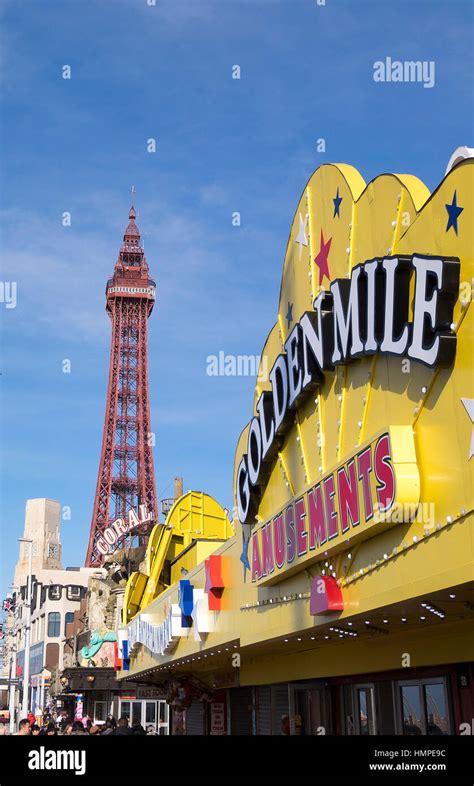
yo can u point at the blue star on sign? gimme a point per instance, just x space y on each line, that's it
289 314
453 214
337 204
244 557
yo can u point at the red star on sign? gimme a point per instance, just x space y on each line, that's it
321 260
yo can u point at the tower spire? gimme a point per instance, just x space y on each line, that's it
132 230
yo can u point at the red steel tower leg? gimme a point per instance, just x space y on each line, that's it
126 476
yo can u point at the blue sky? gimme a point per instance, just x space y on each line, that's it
223 145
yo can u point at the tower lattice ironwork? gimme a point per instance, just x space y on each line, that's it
126 476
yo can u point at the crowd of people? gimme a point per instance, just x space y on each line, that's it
64 726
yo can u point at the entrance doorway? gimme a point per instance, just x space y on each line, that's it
366 710
146 712
307 710
359 709
423 707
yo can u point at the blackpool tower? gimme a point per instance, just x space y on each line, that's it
126 479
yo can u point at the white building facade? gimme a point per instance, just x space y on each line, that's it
56 593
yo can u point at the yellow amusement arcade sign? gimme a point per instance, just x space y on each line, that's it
368 360
379 484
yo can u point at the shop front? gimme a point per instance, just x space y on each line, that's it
300 708
97 693
147 706
424 702
342 602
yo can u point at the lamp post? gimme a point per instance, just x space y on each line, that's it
26 667
42 701
12 686
13 633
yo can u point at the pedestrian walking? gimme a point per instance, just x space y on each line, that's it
24 728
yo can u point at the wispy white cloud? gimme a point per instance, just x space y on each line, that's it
214 194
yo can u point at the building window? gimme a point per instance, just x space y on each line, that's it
55 592
37 658
73 592
54 624
68 617
34 596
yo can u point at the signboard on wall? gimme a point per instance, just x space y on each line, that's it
146 692
110 539
380 484
367 362
217 718
367 315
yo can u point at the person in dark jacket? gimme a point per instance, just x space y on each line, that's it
78 729
137 728
122 728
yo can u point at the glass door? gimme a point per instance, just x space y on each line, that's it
147 713
150 715
100 712
348 709
132 710
412 714
300 722
136 716
436 707
365 704
317 715
124 710
424 707
164 717
307 716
